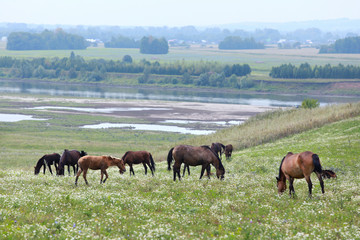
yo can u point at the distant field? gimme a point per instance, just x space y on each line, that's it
260 60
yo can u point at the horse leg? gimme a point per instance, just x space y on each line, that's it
102 175
208 169
309 184
291 187
132 170
77 176
202 171
321 182
50 169
176 169
84 176
184 169
106 176
74 170
68 170
145 168
151 168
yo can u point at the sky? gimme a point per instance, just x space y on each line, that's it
173 13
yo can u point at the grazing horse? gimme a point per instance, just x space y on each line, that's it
299 165
96 163
137 157
48 159
228 151
218 148
194 156
70 158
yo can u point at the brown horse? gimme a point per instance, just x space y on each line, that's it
228 151
69 158
47 159
218 148
299 165
96 163
194 156
137 157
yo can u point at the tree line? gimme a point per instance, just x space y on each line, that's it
75 67
234 42
306 71
344 45
47 40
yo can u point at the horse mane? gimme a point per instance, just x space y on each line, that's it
40 162
221 166
281 165
123 157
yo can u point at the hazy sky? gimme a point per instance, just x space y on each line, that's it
173 13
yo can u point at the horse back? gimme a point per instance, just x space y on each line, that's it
191 155
298 165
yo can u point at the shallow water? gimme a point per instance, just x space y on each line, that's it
150 127
191 95
5 117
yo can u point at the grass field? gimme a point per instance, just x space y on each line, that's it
243 206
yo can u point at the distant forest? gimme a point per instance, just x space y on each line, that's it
346 45
75 67
239 43
47 40
306 71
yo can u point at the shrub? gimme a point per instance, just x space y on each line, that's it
310 103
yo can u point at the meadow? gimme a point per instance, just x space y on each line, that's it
243 206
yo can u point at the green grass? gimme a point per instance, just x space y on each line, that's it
243 206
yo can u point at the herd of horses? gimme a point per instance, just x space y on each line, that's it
293 166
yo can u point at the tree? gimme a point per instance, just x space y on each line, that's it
127 59
310 103
151 45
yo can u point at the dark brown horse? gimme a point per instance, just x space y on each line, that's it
194 156
299 165
218 148
48 159
228 151
69 158
96 163
137 157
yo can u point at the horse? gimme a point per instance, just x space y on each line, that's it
137 157
228 151
96 163
218 148
47 159
299 165
194 156
328 174
70 158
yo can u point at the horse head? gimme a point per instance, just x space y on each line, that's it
120 164
220 172
281 185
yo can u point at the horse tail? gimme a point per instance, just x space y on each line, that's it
152 161
170 158
316 162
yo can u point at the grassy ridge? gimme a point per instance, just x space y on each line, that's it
243 206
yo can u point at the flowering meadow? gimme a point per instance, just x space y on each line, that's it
245 205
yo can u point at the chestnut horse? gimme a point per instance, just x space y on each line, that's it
69 158
218 148
300 165
137 157
96 163
228 151
47 159
194 156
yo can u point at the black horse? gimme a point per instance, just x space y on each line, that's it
48 159
70 158
218 148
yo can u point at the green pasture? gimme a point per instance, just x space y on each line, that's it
243 206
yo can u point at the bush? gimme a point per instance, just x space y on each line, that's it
310 103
